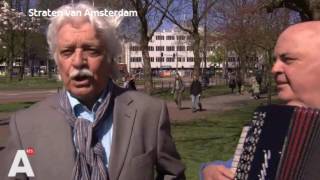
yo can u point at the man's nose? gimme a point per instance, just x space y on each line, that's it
277 67
79 59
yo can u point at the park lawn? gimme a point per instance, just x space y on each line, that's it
207 92
213 138
29 83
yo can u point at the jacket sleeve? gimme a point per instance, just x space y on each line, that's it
8 153
169 165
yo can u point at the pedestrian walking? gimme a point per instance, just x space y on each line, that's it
232 82
177 90
195 93
255 88
239 83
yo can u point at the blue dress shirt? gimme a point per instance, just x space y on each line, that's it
105 132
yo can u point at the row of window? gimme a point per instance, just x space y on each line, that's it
170 37
161 59
168 48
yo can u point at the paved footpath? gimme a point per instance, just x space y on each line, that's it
210 105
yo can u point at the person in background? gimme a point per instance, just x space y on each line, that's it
239 83
296 71
195 93
232 82
255 88
177 90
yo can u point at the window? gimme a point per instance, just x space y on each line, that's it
159 37
134 48
169 37
189 38
181 59
151 59
135 59
159 59
150 48
169 59
189 59
189 48
181 48
159 48
181 37
169 48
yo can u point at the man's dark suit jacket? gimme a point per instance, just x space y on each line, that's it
141 142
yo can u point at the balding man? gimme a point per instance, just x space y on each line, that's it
92 129
297 73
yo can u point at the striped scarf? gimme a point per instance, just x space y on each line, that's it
89 163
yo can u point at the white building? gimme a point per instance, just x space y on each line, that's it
168 51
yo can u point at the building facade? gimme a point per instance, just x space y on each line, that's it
168 51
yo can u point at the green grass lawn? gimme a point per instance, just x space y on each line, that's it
207 92
29 83
214 138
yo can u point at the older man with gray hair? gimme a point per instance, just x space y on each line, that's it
92 129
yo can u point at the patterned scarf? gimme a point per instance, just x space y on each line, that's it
90 152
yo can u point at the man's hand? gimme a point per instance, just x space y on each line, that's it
217 172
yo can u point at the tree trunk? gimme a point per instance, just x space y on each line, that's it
32 67
196 52
23 60
10 59
146 65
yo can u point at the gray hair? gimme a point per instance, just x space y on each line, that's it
104 25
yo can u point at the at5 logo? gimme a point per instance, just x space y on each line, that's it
21 156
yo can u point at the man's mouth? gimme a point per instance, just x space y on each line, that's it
81 80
